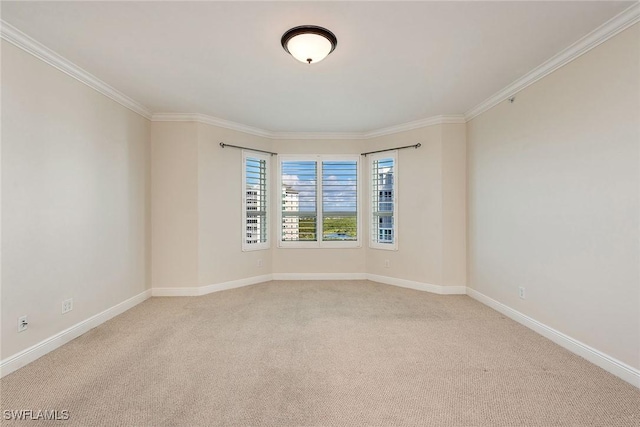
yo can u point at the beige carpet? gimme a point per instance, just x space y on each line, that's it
318 353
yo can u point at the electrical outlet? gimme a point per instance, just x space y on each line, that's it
23 323
259 263
521 292
67 305
387 264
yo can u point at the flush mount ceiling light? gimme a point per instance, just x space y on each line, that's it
309 43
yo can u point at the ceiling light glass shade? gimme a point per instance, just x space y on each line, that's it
309 43
309 48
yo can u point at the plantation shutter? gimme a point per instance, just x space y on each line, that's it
339 200
383 201
255 200
299 201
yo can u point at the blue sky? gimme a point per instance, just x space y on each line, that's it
338 179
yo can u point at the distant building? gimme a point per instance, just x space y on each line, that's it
385 204
290 223
256 228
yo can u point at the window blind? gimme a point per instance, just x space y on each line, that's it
339 200
299 201
255 215
383 201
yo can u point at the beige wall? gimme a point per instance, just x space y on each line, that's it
294 260
220 207
75 200
419 254
554 199
454 205
99 204
197 208
431 197
196 215
174 204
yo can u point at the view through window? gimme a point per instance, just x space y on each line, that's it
255 209
319 200
383 200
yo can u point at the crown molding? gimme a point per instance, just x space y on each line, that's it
203 118
251 130
615 25
430 121
417 124
40 51
317 135
210 120
618 23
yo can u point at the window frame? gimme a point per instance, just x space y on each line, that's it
319 243
374 243
247 247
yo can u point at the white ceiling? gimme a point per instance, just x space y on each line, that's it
395 62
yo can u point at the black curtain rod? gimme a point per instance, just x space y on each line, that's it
418 145
222 144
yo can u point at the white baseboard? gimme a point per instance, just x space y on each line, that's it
234 284
175 292
18 360
207 289
319 276
419 286
606 362
203 290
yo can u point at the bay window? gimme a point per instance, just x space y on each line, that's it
255 196
384 218
319 201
